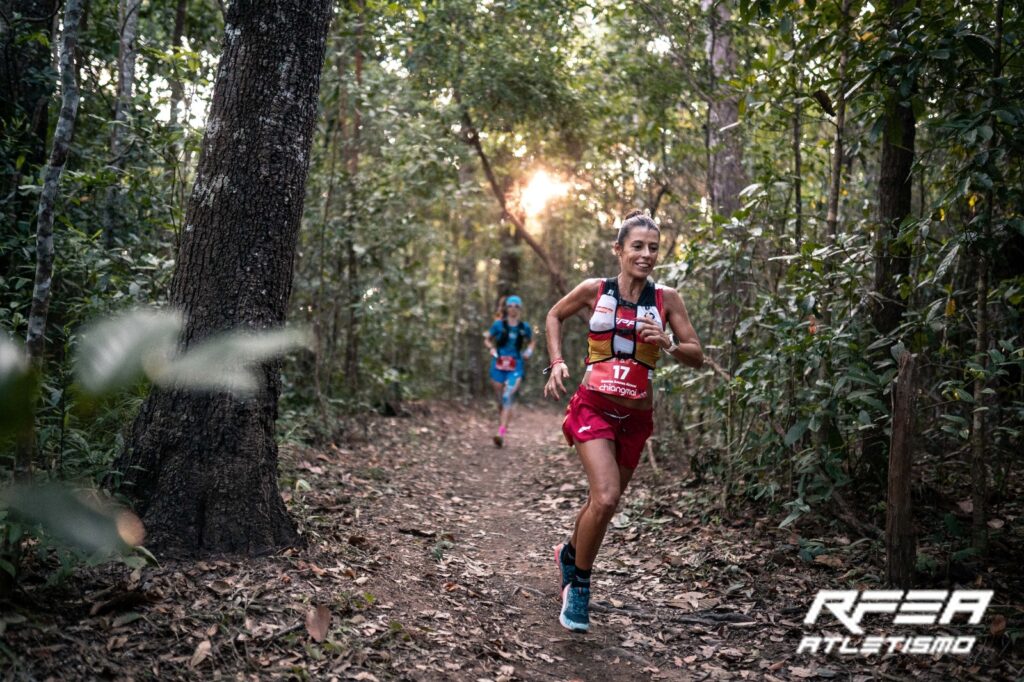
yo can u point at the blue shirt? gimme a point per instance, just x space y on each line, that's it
509 347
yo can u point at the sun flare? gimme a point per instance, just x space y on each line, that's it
542 188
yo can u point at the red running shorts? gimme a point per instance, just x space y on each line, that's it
591 416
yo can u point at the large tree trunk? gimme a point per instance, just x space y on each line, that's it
726 175
201 469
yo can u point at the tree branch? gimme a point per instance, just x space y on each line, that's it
472 136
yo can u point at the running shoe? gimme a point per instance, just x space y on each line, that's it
566 570
575 613
499 440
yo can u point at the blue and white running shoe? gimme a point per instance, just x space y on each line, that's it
566 570
575 613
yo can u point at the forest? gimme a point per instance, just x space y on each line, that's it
251 249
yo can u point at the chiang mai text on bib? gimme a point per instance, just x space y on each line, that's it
620 377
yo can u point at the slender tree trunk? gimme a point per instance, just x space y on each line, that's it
35 341
798 203
979 427
177 87
508 263
352 259
201 468
895 188
900 541
726 174
128 20
472 136
836 177
176 169
892 260
468 319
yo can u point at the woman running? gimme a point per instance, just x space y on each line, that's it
510 341
609 417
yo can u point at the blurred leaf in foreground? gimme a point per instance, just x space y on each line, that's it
227 362
79 519
117 351
17 388
113 353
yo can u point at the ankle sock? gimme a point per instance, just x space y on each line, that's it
581 578
501 430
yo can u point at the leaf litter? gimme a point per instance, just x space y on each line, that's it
429 557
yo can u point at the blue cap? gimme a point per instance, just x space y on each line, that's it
514 300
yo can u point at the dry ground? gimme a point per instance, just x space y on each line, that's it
429 557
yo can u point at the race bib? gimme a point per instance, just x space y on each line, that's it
624 378
506 363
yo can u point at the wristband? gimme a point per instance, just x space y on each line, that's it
548 369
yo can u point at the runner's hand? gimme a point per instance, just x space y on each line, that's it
650 333
555 388
494 352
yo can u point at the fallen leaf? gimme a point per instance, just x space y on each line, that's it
317 622
200 654
966 506
996 523
998 625
221 587
829 560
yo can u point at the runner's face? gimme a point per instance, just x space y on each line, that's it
513 311
639 254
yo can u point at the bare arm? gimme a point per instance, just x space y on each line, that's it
688 349
579 298
489 342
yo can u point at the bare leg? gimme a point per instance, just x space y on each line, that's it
607 483
499 388
625 474
506 410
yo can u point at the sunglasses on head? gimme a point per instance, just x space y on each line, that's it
512 305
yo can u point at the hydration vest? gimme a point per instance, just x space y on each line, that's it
521 339
612 333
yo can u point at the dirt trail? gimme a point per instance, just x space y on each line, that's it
497 579
429 558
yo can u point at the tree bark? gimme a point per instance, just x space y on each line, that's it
177 88
979 426
201 469
128 20
726 175
35 340
895 188
352 259
900 542
892 261
836 179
